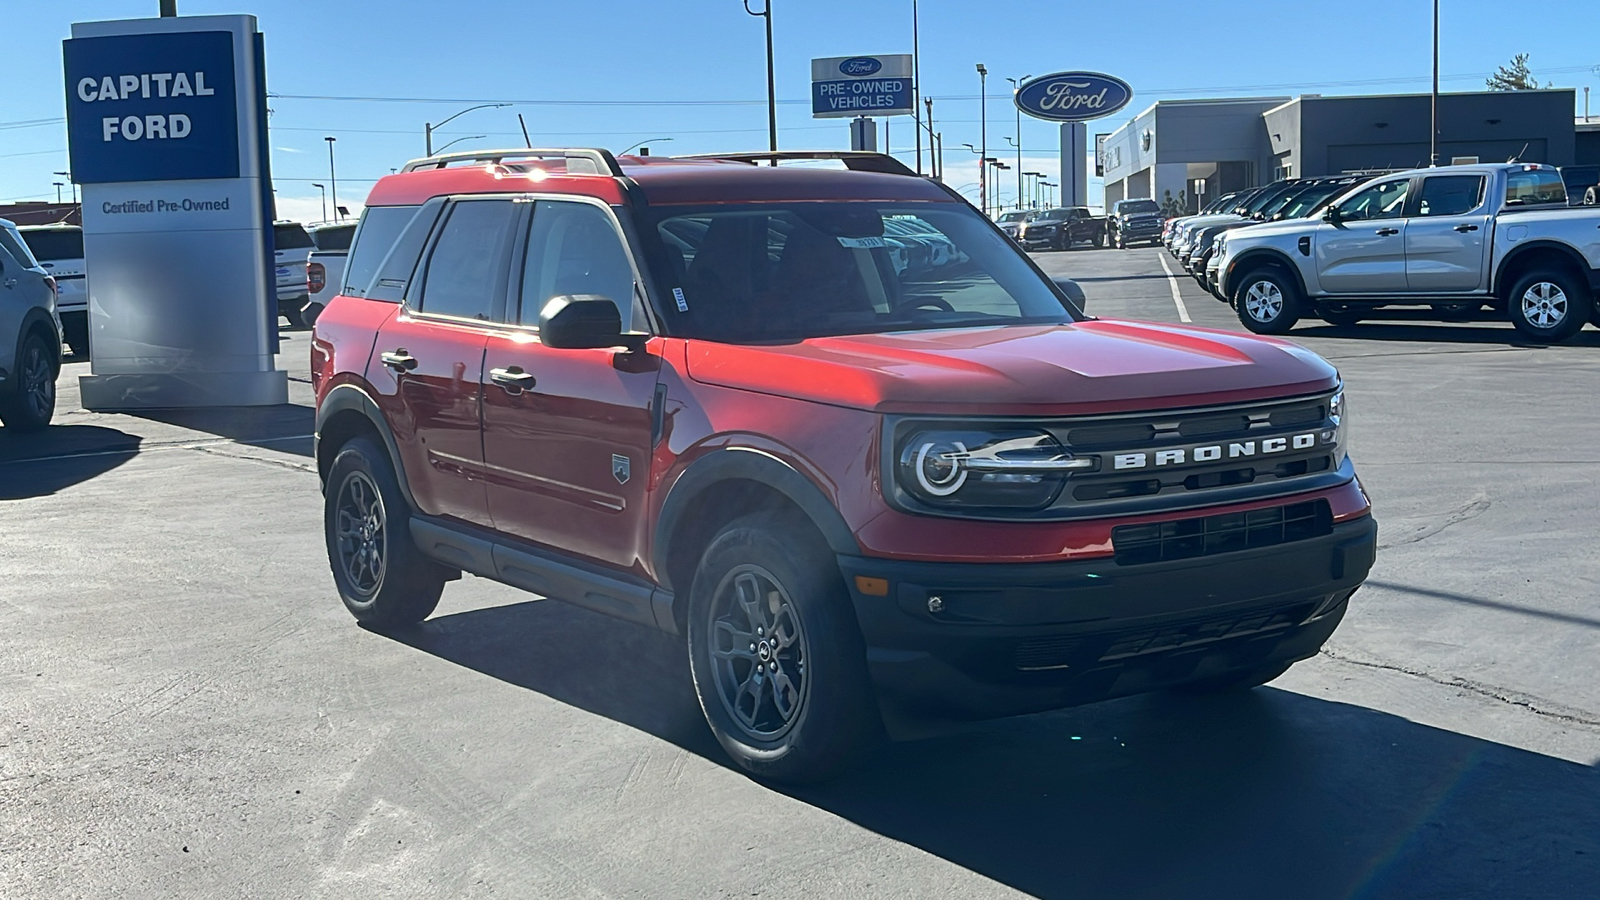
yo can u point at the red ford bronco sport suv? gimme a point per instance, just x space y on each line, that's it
699 394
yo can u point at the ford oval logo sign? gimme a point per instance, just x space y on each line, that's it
1073 96
860 66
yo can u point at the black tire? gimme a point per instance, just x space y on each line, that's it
1099 241
1343 317
31 402
295 322
832 719
1241 680
383 579
76 335
309 314
1267 301
1549 305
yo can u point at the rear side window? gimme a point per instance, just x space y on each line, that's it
290 236
1535 186
1450 195
54 244
574 249
380 228
17 249
466 270
334 237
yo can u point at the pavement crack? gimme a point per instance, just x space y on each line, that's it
1544 709
282 464
1432 525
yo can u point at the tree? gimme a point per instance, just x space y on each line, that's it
1515 77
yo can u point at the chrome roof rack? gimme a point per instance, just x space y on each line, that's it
582 161
855 160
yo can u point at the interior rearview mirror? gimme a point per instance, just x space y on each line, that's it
584 322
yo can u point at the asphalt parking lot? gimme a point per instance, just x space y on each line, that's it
188 710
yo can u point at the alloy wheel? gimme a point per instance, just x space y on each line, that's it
360 531
1264 301
38 383
758 652
1544 305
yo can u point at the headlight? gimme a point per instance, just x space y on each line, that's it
965 468
1339 415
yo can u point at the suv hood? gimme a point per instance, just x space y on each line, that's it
1097 366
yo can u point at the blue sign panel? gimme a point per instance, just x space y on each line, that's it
152 107
1073 96
861 97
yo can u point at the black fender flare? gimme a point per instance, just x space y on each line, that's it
36 318
350 397
1580 264
745 464
1249 258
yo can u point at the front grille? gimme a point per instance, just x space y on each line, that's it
1058 652
1226 533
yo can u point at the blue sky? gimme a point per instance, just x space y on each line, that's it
613 73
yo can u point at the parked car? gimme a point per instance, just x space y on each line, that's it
1009 222
1173 227
1061 228
1303 204
291 248
1454 238
692 394
30 336
1132 221
325 266
59 251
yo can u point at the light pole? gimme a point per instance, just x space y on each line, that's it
470 137
1016 84
659 140
933 160
1433 133
58 191
772 89
998 168
332 180
427 127
1033 191
916 92
983 132
68 177
324 191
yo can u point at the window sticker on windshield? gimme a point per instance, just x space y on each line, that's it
677 294
862 243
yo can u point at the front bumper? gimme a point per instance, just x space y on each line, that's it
1017 638
1140 233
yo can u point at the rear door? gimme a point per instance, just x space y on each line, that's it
427 365
1447 235
567 433
1365 252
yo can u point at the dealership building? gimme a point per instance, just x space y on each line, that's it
1183 153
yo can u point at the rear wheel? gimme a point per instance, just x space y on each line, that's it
1549 305
76 335
778 660
1268 301
30 406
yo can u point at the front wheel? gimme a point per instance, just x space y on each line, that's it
1549 305
1268 301
33 403
777 658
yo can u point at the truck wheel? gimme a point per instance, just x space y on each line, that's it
30 406
382 578
1342 316
1549 305
1242 680
777 658
1268 302
1099 241
76 334
309 314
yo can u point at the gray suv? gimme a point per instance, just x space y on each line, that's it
30 336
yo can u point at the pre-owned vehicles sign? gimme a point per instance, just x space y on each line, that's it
845 86
152 107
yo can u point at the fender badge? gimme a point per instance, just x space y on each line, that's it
620 468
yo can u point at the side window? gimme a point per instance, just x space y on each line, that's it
1384 200
467 266
1530 187
379 229
574 249
1450 195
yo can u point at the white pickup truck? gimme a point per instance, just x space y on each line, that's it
1455 238
325 267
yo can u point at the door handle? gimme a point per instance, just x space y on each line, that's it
1464 228
513 379
1385 232
399 360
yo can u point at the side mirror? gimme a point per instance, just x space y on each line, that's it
1072 289
584 322
1331 215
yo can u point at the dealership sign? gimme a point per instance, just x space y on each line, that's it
847 86
1072 96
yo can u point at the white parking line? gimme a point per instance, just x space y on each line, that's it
1172 282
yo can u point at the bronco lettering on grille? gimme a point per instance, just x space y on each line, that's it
1178 456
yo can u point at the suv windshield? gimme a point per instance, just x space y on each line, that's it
791 271
54 243
290 236
1310 199
1132 207
1014 217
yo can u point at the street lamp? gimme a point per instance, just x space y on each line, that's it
998 168
68 177
324 199
1016 85
772 90
470 137
332 179
58 191
983 132
428 127
659 140
916 94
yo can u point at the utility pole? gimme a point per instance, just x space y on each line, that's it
169 9
772 89
331 179
1016 84
1433 134
933 161
916 90
983 140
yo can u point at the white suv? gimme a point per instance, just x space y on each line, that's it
290 248
30 336
59 251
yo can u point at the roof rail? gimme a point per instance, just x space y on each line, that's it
855 160
592 161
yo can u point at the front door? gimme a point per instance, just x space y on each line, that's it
1364 251
567 433
427 365
1447 235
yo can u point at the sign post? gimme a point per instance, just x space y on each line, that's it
1073 98
166 125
